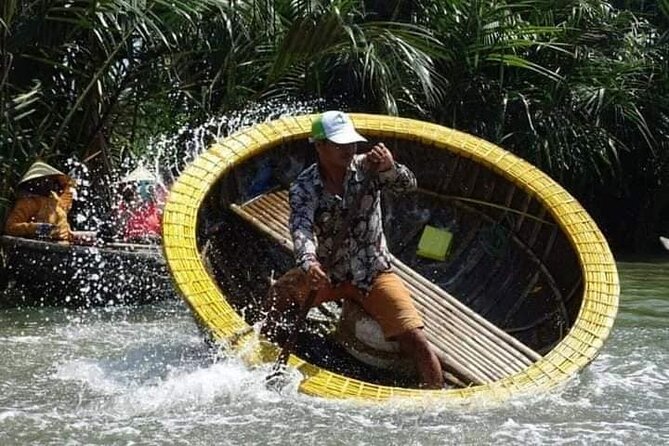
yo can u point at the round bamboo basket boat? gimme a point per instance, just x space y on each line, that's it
525 259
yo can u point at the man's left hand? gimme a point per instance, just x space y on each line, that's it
379 158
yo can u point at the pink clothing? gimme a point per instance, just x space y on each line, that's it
142 222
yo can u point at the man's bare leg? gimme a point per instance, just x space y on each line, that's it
414 344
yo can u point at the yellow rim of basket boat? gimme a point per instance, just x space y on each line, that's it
208 303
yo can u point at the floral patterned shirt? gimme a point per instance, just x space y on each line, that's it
317 214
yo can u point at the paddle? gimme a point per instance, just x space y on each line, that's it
279 367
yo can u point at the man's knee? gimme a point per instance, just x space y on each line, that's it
287 291
413 339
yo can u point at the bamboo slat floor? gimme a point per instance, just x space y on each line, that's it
475 350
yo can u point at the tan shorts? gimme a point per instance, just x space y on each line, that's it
388 302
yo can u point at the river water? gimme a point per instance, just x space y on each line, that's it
144 375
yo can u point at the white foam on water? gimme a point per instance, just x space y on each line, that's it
31 340
9 414
630 374
90 374
224 400
587 432
222 383
197 388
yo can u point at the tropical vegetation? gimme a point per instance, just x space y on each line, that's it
578 87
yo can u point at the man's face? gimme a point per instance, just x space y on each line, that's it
335 155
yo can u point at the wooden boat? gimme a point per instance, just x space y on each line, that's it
524 300
56 273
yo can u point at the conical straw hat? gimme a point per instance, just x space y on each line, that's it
41 169
141 173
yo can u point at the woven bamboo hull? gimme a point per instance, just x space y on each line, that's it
525 255
74 275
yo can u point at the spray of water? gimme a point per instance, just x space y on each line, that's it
169 154
96 275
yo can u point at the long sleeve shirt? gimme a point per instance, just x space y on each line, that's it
32 209
317 215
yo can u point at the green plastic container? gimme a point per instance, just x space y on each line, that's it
435 243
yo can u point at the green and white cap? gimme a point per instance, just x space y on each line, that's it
335 126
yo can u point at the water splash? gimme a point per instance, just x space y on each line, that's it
94 276
169 154
97 376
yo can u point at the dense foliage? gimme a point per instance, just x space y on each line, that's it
580 88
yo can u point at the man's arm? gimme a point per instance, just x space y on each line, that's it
302 210
399 178
392 175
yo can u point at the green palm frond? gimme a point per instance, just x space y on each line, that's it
336 50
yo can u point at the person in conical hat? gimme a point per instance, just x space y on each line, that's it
142 182
44 200
140 174
140 211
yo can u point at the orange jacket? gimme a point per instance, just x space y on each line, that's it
32 209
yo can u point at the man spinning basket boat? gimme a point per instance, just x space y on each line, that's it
340 247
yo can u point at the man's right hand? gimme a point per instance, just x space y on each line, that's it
379 159
317 276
